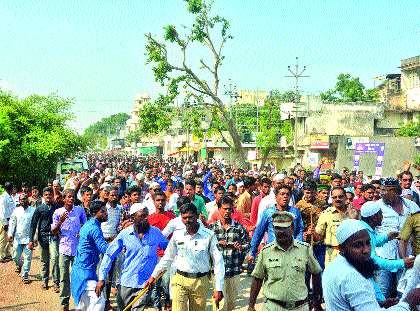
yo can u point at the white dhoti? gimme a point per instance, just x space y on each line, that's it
89 301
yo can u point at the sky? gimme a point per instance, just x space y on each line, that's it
93 51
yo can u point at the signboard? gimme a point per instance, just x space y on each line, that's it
375 148
352 141
312 159
320 142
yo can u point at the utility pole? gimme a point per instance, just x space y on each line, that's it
296 74
232 93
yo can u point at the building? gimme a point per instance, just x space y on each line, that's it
252 97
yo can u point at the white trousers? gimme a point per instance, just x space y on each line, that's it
89 301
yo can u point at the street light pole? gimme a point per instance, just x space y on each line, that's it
296 100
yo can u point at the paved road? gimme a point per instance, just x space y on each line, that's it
18 296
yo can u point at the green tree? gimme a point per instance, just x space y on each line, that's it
99 131
349 89
33 135
212 33
268 117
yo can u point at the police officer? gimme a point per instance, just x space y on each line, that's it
282 264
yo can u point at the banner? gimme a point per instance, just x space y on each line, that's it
312 159
320 142
376 148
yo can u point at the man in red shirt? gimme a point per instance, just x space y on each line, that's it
265 190
367 194
160 219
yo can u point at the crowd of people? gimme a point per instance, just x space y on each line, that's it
166 231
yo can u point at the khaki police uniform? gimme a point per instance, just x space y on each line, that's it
327 225
283 272
411 228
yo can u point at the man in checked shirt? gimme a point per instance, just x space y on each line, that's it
233 243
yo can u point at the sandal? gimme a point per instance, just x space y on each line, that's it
18 269
26 281
57 289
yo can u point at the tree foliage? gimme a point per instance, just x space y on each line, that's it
202 84
349 89
33 135
99 131
411 129
266 121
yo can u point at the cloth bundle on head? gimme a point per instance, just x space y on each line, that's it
347 228
369 208
240 184
136 207
325 177
390 182
321 187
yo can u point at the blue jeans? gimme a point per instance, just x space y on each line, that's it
387 281
161 285
18 249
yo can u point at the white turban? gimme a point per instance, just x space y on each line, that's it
347 228
140 176
369 209
153 184
136 207
240 184
278 177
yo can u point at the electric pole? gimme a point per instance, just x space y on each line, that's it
296 100
232 93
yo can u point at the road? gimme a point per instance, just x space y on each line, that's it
18 296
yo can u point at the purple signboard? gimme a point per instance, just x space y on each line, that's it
376 148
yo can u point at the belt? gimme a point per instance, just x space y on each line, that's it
333 247
192 275
289 304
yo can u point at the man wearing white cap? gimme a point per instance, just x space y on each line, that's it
371 218
140 242
346 280
371 214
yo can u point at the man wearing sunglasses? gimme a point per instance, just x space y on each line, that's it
406 180
329 221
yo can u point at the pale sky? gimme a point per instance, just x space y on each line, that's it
93 51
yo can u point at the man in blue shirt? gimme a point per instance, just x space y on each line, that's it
282 193
83 273
140 242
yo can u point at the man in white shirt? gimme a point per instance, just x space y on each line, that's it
270 199
19 233
193 251
7 205
211 207
346 280
395 211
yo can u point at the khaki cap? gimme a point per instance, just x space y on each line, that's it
282 219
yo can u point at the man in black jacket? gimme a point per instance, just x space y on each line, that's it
42 220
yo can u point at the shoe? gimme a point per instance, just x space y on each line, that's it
64 309
25 281
57 289
45 286
114 291
18 269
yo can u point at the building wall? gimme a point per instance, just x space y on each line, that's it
251 97
397 151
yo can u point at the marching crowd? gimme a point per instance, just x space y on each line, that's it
166 231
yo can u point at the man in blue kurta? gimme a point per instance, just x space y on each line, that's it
83 273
